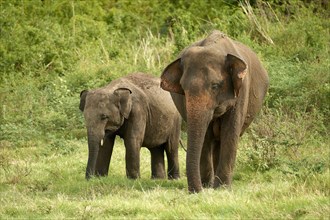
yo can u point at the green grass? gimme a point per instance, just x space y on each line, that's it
51 50
40 183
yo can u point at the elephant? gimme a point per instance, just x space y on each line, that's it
136 109
218 85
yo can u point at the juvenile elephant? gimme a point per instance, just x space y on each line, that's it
139 111
218 85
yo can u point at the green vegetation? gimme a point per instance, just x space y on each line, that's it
51 50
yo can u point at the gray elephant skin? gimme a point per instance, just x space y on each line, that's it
135 108
218 85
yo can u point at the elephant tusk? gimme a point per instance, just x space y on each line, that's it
101 142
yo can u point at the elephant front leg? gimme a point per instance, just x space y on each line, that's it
132 157
157 163
104 156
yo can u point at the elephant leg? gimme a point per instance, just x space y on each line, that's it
171 148
157 162
227 154
206 161
216 155
225 167
132 157
104 156
216 146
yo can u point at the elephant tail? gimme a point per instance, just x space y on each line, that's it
180 141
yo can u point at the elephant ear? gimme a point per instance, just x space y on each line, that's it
237 69
125 101
170 78
83 95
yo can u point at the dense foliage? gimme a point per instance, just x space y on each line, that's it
51 50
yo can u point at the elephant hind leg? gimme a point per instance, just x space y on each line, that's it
207 167
157 163
171 149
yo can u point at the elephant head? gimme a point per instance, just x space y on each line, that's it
104 112
210 79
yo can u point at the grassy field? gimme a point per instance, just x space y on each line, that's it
50 184
51 50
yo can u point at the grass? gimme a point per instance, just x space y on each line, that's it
50 51
40 183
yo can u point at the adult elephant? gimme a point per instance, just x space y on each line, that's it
135 108
218 85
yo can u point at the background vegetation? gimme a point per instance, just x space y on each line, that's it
51 50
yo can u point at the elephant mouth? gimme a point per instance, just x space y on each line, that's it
219 111
107 132
222 109
110 130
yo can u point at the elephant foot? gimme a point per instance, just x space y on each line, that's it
133 176
101 174
173 176
193 190
158 176
207 184
208 180
222 182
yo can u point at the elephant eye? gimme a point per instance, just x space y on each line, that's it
103 117
216 86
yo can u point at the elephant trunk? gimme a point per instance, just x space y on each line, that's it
198 120
93 149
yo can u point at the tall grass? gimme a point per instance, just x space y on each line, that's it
50 51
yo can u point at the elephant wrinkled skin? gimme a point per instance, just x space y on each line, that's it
135 108
218 85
